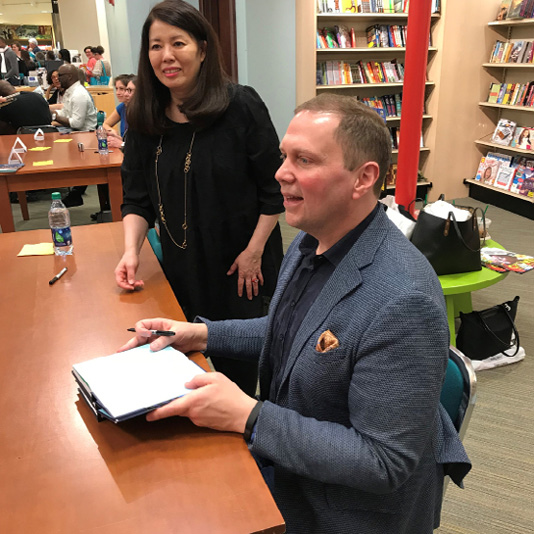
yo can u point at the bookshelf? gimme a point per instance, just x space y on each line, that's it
506 72
308 59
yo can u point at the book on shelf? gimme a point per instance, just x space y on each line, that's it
514 10
502 12
505 260
494 93
489 167
391 175
504 132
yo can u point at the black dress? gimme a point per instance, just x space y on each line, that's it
230 183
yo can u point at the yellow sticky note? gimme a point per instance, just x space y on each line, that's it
62 140
43 163
39 148
40 249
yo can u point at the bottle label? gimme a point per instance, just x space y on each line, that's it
62 237
102 144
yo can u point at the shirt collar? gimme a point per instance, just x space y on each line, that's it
338 251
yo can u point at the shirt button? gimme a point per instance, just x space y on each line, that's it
293 303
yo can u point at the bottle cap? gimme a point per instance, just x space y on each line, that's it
56 196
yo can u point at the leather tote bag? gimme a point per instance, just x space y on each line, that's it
449 245
488 332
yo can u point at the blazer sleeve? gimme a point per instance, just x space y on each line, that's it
392 401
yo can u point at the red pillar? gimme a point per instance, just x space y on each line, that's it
413 97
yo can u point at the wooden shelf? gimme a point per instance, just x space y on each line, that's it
421 149
365 17
499 189
481 142
509 65
379 49
506 23
506 106
364 85
501 198
421 183
397 119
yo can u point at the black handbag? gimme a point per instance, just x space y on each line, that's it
485 333
450 246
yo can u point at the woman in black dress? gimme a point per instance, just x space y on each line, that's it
200 157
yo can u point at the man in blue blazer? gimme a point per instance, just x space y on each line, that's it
352 354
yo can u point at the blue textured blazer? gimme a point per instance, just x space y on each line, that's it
356 435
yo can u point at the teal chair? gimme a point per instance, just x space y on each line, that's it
458 394
155 243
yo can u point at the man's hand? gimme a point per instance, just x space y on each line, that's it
216 402
188 337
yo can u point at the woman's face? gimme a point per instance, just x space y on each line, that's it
120 88
130 90
55 79
16 48
175 57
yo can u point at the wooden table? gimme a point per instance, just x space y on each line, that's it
62 472
457 289
71 167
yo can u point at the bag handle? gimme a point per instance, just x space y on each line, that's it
452 218
491 332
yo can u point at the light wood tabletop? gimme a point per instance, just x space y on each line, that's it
62 472
68 167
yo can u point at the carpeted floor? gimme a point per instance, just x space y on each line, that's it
499 492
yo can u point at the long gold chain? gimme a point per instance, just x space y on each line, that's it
187 166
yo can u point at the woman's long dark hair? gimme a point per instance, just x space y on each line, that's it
146 112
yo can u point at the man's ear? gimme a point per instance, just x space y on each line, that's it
366 176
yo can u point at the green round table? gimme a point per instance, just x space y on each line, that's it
457 289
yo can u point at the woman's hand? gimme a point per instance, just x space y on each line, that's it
125 272
188 337
248 266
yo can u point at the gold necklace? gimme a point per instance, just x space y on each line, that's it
187 166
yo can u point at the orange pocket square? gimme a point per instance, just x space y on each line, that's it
327 341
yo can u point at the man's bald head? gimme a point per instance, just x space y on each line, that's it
68 75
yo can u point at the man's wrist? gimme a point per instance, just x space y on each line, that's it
251 421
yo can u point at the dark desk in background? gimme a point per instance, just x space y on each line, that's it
62 472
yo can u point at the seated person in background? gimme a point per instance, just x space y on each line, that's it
9 65
78 111
114 139
352 354
40 59
101 64
50 56
64 55
28 61
119 113
54 93
28 109
33 47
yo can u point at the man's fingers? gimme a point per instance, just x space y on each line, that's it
176 407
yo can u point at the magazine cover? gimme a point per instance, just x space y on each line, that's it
527 187
504 260
504 132
517 181
504 178
490 167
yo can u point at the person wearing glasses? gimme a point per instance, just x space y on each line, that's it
124 92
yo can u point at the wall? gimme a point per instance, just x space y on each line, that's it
79 24
266 54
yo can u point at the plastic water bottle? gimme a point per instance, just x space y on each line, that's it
59 220
102 137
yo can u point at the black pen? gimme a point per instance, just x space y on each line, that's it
58 276
157 332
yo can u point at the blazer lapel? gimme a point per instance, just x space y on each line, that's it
345 279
